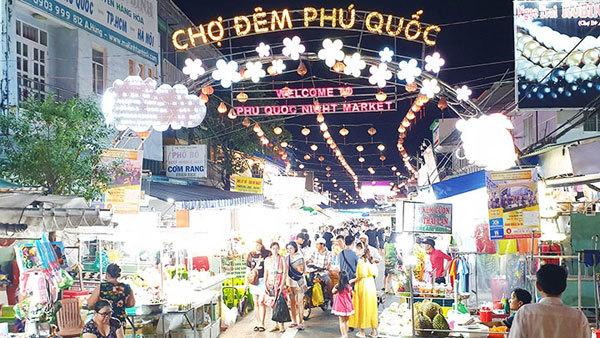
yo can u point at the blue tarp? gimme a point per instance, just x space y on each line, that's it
459 185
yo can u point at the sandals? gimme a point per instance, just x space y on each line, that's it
282 330
300 327
293 326
259 329
275 329
255 329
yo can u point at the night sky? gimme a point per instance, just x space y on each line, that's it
474 32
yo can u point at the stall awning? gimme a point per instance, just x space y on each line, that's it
194 196
459 185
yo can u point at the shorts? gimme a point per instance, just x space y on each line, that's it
258 289
390 269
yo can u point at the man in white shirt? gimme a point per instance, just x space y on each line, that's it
550 318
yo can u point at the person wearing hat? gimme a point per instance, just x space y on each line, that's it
321 259
364 239
437 258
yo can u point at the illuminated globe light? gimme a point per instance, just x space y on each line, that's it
328 175
381 147
314 147
360 149
277 130
405 123
410 115
232 115
242 97
222 108
307 157
382 158
344 132
394 168
372 131
264 141
487 141
333 145
260 133
256 128
326 135
305 131
381 96
320 117
323 127
283 144
321 158
329 141
398 173
338 67
334 180
301 166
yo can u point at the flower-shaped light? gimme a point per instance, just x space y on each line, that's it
331 52
263 50
354 64
409 71
193 68
434 62
430 88
293 48
386 55
278 66
227 73
379 75
463 93
254 71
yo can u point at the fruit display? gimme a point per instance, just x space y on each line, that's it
422 325
396 320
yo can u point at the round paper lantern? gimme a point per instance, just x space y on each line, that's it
307 157
381 96
360 148
246 122
372 131
277 131
305 131
344 132
242 97
208 90
411 87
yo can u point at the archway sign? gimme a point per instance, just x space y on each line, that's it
364 78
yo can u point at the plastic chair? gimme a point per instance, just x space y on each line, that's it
68 319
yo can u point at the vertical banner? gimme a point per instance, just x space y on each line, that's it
124 190
513 206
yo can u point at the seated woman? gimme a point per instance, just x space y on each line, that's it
103 325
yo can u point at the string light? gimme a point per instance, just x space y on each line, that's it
360 148
277 131
314 147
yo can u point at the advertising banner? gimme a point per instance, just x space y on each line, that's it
186 161
129 24
513 206
424 217
124 191
248 185
556 53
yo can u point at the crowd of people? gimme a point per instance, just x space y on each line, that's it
350 254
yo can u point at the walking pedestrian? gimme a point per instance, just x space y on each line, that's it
365 293
348 258
391 261
255 271
296 284
275 268
342 303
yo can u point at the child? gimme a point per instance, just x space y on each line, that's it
342 303
518 298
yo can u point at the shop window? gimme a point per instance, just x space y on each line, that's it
98 71
32 48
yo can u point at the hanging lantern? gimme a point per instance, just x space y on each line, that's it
406 123
411 87
381 96
276 148
382 158
328 175
208 90
402 129
442 103
410 115
381 147
256 128
339 66
301 69
305 131
394 168
301 166
328 168
344 132
246 122
323 127
360 149
314 147
333 145
372 131
271 70
264 141
232 115
242 97
361 159
329 141
222 108
307 157
277 131
321 158
334 181
320 117
204 98
243 74
345 92
326 134
283 144
260 133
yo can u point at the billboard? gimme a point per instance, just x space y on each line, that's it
248 185
186 161
556 53
513 206
124 191
129 24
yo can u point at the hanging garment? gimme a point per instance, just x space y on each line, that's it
464 271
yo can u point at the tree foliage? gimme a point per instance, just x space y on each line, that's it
237 143
57 145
